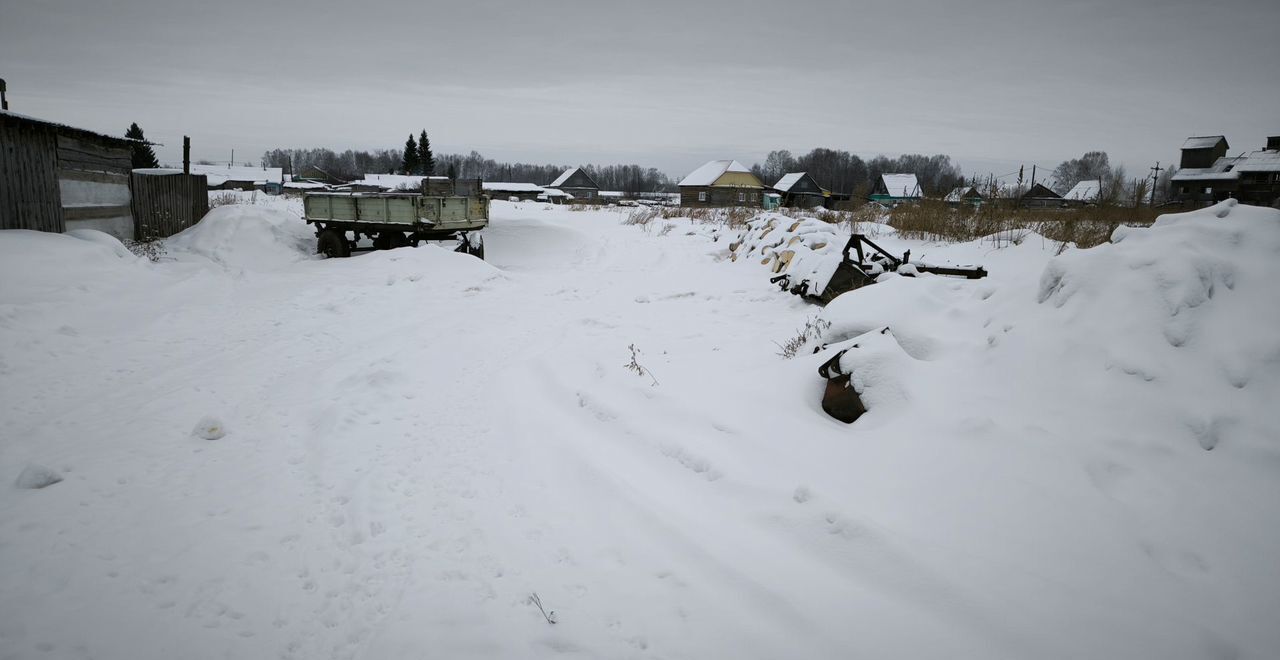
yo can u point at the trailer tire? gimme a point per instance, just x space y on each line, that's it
333 244
390 240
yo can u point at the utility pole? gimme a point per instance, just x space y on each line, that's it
1155 179
4 100
233 159
1033 175
186 155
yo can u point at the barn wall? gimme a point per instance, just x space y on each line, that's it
93 182
29 196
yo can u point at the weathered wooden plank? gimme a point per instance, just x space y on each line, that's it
29 196
73 213
93 177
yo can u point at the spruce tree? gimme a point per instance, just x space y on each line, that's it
410 163
143 156
428 159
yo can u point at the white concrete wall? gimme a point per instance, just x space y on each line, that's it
92 193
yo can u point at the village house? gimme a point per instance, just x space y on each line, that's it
239 177
523 192
57 178
1207 175
891 189
964 195
1084 192
389 183
800 190
1039 196
721 183
578 183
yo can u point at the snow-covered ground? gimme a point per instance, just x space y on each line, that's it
264 454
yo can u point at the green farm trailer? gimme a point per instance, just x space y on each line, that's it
392 220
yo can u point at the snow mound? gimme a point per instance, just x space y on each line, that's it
34 264
880 371
104 239
37 476
247 237
209 428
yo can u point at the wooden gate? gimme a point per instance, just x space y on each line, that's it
165 204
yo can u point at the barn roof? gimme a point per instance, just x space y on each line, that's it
901 185
1085 191
84 132
790 179
1203 142
709 173
1263 160
1223 169
512 187
962 193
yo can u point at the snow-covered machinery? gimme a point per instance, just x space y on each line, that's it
392 220
870 263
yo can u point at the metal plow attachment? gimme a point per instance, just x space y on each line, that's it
854 273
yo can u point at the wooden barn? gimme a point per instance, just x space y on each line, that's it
721 183
1208 175
578 183
800 190
57 178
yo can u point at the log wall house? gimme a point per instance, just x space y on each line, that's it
577 182
721 183
800 190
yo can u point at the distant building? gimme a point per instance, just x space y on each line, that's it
1085 192
964 195
56 178
721 183
892 189
505 191
1040 197
1206 174
390 183
800 190
578 183
232 177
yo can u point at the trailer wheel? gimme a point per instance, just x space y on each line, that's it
333 244
390 240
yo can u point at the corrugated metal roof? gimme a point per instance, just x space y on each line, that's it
1203 141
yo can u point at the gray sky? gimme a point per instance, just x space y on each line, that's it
664 83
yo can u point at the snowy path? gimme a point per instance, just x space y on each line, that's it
418 441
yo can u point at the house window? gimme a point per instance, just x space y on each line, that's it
742 197
1208 191
702 196
754 197
1182 189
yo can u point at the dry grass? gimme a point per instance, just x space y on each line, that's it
1084 227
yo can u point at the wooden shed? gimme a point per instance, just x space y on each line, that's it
57 178
578 183
721 183
1039 197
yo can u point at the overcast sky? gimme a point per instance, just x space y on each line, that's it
664 83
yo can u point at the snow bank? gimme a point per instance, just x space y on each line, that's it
247 237
39 265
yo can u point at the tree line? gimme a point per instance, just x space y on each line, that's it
845 173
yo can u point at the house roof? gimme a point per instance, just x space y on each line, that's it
512 187
393 181
962 193
1203 142
220 174
1223 169
790 179
1085 191
709 173
71 129
1040 190
552 192
560 180
901 185
1263 160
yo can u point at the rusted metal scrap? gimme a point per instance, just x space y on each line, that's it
840 400
869 264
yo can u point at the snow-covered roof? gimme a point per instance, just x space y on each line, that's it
552 192
510 187
220 174
707 174
784 184
1085 191
1263 160
393 181
1202 142
612 193
305 185
1223 169
958 194
901 185
563 177
157 171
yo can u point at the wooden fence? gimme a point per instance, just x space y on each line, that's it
165 204
28 176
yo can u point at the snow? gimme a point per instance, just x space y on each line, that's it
497 186
784 184
1085 191
901 185
34 477
563 177
1074 457
209 428
1263 160
1203 142
220 174
394 181
710 172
